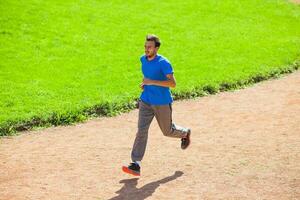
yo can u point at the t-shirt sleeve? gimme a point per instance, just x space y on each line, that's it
166 67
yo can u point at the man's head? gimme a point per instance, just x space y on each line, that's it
152 45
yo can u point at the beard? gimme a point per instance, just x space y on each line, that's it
150 55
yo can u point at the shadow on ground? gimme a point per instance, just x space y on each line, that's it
130 191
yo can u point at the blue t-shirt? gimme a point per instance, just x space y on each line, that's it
156 69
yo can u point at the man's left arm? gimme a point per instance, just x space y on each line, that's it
170 82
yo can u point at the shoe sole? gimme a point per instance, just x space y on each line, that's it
189 136
129 171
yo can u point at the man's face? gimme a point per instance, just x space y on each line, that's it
150 49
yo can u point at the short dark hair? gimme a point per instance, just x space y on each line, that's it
154 38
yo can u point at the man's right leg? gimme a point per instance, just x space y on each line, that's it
163 115
146 115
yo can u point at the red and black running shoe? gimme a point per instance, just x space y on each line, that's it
133 169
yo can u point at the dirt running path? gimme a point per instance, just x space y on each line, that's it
246 145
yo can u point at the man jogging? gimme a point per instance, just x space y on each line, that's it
155 101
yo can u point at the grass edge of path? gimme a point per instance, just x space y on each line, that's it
10 128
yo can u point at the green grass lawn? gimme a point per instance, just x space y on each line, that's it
62 62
